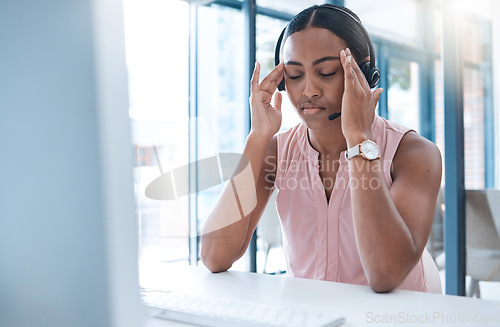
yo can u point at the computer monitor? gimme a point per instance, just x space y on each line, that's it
68 238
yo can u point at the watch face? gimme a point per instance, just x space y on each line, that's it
370 150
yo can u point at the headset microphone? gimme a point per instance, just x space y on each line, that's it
333 116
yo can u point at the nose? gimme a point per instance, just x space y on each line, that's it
311 88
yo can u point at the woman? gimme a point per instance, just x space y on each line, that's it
363 218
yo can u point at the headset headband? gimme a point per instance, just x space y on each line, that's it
370 71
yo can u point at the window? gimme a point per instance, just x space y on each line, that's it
290 6
398 21
478 104
403 92
268 31
221 100
478 117
157 62
187 79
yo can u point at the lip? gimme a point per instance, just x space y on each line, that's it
311 105
311 108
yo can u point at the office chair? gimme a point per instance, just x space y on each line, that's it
482 237
435 244
431 273
269 229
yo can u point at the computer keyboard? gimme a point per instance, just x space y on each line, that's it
218 312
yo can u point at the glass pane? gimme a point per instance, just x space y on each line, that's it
269 244
268 31
155 123
222 102
473 125
472 42
474 129
403 16
403 93
476 50
221 80
291 7
438 30
439 107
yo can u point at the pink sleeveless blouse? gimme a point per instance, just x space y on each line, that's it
318 236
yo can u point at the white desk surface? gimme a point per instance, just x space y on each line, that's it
358 304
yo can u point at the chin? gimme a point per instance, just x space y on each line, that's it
319 122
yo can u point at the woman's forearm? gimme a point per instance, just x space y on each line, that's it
227 227
392 225
384 241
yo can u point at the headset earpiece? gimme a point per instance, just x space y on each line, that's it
372 74
281 85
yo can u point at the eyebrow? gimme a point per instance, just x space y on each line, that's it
320 60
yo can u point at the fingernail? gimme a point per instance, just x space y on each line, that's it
348 51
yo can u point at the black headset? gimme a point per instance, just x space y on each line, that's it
371 72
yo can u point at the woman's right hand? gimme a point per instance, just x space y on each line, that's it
265 101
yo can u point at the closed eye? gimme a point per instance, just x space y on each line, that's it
328 75
295 77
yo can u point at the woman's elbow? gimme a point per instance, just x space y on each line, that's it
385 282
382 287
212 262
213 265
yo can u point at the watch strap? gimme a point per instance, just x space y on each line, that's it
352 152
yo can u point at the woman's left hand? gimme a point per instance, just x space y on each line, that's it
358 102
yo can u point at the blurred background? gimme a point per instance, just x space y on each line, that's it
188 70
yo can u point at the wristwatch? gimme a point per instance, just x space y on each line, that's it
367 149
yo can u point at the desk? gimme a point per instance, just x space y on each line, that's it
358 304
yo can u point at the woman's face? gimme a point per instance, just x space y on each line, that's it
314 76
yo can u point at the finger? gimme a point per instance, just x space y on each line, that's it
271 81
348 72
356 71
254 82
276 101
359 73
377 94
